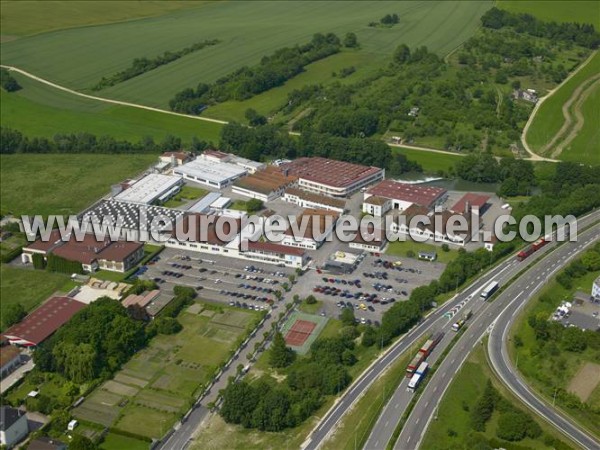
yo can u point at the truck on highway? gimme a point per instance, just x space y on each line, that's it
431 343
489 290
525 253
466 316
414 364
418 376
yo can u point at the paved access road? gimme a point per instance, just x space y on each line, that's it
499 312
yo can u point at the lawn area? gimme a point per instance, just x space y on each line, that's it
11 243
79 57
584 148
28 287
432 163
550 368
453 428
399 248
114 441
24 191
56 111
581 11
549 118
31 17
160 382
311 309
186 194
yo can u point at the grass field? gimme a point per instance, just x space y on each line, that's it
452 429
158 384
79 57
399 248
432 163
549 118
544 371
114 441
187 193
28 287
581 11
62 184
30 17
56 111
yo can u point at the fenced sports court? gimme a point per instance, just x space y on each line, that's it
301 330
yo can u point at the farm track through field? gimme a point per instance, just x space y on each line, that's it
574 119
107 100
533 155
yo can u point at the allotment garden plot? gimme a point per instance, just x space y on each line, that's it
160 383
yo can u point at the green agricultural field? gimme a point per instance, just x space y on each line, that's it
549 118
158 384
28 287
432 163
453 429
582 11
40 110
69 182
79 57
31 17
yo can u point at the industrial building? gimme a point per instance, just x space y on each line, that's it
93 254
175 158
246 164
218 175
475 202
377 206
403 195
306 199
311 229
151 189
137 220
43 321
265 185
331 177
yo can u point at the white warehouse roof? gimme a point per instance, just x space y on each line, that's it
211 171
149 188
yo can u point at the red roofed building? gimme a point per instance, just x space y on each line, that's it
476 202
43 322
175 158
404 195
93 254
332 177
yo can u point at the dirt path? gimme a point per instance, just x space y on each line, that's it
107 100
580 95
534 156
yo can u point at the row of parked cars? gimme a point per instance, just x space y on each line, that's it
247 306
256 278
378 275
253 269
268 290
246 296
342 281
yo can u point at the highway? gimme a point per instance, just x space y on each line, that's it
499 314
435 321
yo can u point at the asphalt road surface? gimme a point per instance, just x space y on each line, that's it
499 312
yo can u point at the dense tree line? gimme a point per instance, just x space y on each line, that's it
55 263
272 71
571 189
515 175
271 142
8 82
142 65
581 34
271 406
13 141
94 343
12 314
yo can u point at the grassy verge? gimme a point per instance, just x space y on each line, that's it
452 425
311 308
432 163
355 427
550 368
399 248
186 194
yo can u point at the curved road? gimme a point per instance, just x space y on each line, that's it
500 311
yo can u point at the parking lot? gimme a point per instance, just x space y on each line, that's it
372 288
228 280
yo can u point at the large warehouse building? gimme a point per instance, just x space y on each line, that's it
43 322
401 196
266 185
151 189
331 177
